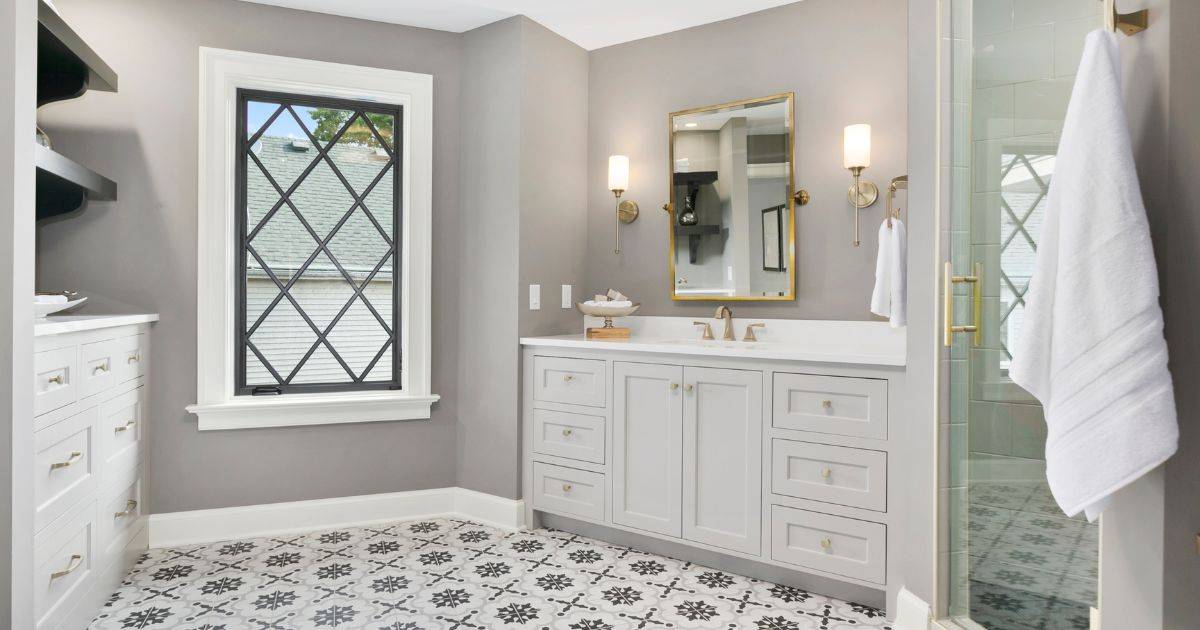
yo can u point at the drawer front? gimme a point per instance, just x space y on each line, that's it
836 405
570 435
96 363
119 431
569 381
843 546
64 466
835 474
119 513
129 357
55 376
64 567
568 491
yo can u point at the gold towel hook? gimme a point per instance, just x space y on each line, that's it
898 183
1128 23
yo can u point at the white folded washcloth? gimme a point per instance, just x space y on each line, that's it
890 297
609 303
49 299
1091 346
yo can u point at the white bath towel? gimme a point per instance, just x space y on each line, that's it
890 297
1091 347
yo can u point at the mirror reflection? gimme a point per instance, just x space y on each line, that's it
732 228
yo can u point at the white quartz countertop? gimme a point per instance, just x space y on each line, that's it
854 343
59 324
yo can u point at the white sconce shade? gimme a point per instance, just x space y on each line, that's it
618 172
856 146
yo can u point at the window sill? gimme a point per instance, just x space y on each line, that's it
249 412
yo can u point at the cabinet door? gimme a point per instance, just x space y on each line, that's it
722 465
647 440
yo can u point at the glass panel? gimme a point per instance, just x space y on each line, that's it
322 367
1014 561
322 291
359 247
358 336
359 156
283 149
322 199
283 244
283 338
256 373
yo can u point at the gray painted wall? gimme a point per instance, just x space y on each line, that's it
845 61
141 249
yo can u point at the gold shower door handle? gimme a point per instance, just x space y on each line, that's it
976 282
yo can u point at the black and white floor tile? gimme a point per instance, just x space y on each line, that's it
1031 568
452 575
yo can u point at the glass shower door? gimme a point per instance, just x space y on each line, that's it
1015 561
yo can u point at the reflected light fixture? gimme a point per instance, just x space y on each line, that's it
618 183
856 156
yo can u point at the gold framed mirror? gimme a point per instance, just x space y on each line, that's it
732 213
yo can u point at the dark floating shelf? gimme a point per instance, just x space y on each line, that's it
63 185
67 66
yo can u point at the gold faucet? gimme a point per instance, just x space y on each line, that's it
726 313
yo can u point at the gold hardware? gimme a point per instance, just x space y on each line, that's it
133 358
130 506
127 426
76 561
567 432
826 543
566 487
689 387
567 378
827 404
949 280
75 456
862 195
674 386
826 473
1128 23
898 183
627 212
57 379
707 329
669 207
100 369
801 198
726 313
750 332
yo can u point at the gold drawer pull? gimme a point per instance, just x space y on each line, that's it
76 561
826 472
566 487
826 543
130 507
568 432
75 456
100 369
134 358
57 379
125 427
567 378
827 404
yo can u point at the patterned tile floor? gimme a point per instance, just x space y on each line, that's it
452 575
1030 566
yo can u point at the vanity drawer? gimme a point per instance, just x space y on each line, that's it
843 546
569 381
96 363
119 514
129 357
837 405
568 491
834 474
570 435
54 379
64 566
119 431
64 466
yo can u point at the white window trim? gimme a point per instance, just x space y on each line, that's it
222 73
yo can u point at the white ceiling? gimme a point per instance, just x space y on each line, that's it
590 23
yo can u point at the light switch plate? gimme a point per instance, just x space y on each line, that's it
566 296
535 297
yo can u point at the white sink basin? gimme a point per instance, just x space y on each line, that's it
714 343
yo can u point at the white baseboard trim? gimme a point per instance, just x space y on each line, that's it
174 529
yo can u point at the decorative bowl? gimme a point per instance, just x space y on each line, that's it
41 310
607 312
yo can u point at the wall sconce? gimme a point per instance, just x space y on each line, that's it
618 182
856 156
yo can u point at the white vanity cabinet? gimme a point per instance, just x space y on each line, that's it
750 453
89 462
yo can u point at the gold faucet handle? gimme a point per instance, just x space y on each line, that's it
707 329
750 331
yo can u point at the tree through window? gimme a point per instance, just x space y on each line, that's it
318 235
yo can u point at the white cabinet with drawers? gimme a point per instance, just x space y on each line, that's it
88 461
780 461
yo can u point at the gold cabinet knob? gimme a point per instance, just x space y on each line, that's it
568 432
566 487
674 386
826 543
826 473
827 404
57 379
74 457
130 508
125 427
689 387
72 564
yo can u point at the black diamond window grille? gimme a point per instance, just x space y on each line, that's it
1025 181
318 233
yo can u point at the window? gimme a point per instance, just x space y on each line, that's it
314 240
317 221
